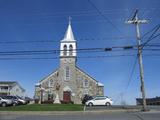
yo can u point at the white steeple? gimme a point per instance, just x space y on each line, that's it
68 43
69 34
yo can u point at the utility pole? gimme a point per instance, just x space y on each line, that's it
136 22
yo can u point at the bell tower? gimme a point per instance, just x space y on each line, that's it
68 44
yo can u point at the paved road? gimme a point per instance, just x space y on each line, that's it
83 116
119 107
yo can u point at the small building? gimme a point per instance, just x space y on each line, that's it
11 88
68 83
149 101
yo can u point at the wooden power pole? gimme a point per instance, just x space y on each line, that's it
136 22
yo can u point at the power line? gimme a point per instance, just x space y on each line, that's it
78 40
152 49
103 15
131 74
81 57
81 50
113 48
149 31
151 37
60 13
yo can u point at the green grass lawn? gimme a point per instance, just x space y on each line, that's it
44 107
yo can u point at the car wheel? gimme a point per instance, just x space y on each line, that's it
14 104
90 104
4 104
108 104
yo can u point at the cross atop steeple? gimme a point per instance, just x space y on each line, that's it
69 20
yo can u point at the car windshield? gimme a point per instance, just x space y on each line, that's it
8 97
14 97
3 97
99 98
19 97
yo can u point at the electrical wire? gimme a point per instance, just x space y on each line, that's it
81 57
150 31
78 40
151 37
131 74
100 13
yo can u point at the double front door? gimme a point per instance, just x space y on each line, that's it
67 96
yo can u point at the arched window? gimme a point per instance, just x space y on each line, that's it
65 50
50 83
67 73
70 50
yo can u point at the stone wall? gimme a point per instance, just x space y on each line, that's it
79 83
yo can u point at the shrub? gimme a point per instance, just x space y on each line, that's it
48 102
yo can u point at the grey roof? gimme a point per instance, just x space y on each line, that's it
100 84
8 82
11 83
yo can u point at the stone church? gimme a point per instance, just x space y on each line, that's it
68 82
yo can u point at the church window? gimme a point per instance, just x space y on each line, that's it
70 50
86 83
85 92
67 73
51 83
65 50
79 78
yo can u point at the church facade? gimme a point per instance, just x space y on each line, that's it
68 82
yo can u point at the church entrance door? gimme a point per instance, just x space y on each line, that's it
66 96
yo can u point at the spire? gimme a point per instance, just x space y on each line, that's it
69 34
68 43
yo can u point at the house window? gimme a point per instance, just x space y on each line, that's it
65 50
67 72
4 88
17 90
70 50
86 83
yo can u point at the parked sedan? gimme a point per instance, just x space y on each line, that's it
100 101
21 100
5 102
17 100
13 98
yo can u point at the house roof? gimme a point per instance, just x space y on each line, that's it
8 82
11 83
100 84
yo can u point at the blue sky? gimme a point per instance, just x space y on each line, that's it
46 20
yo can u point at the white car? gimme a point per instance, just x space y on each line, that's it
100 101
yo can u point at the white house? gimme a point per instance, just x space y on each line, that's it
11 88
